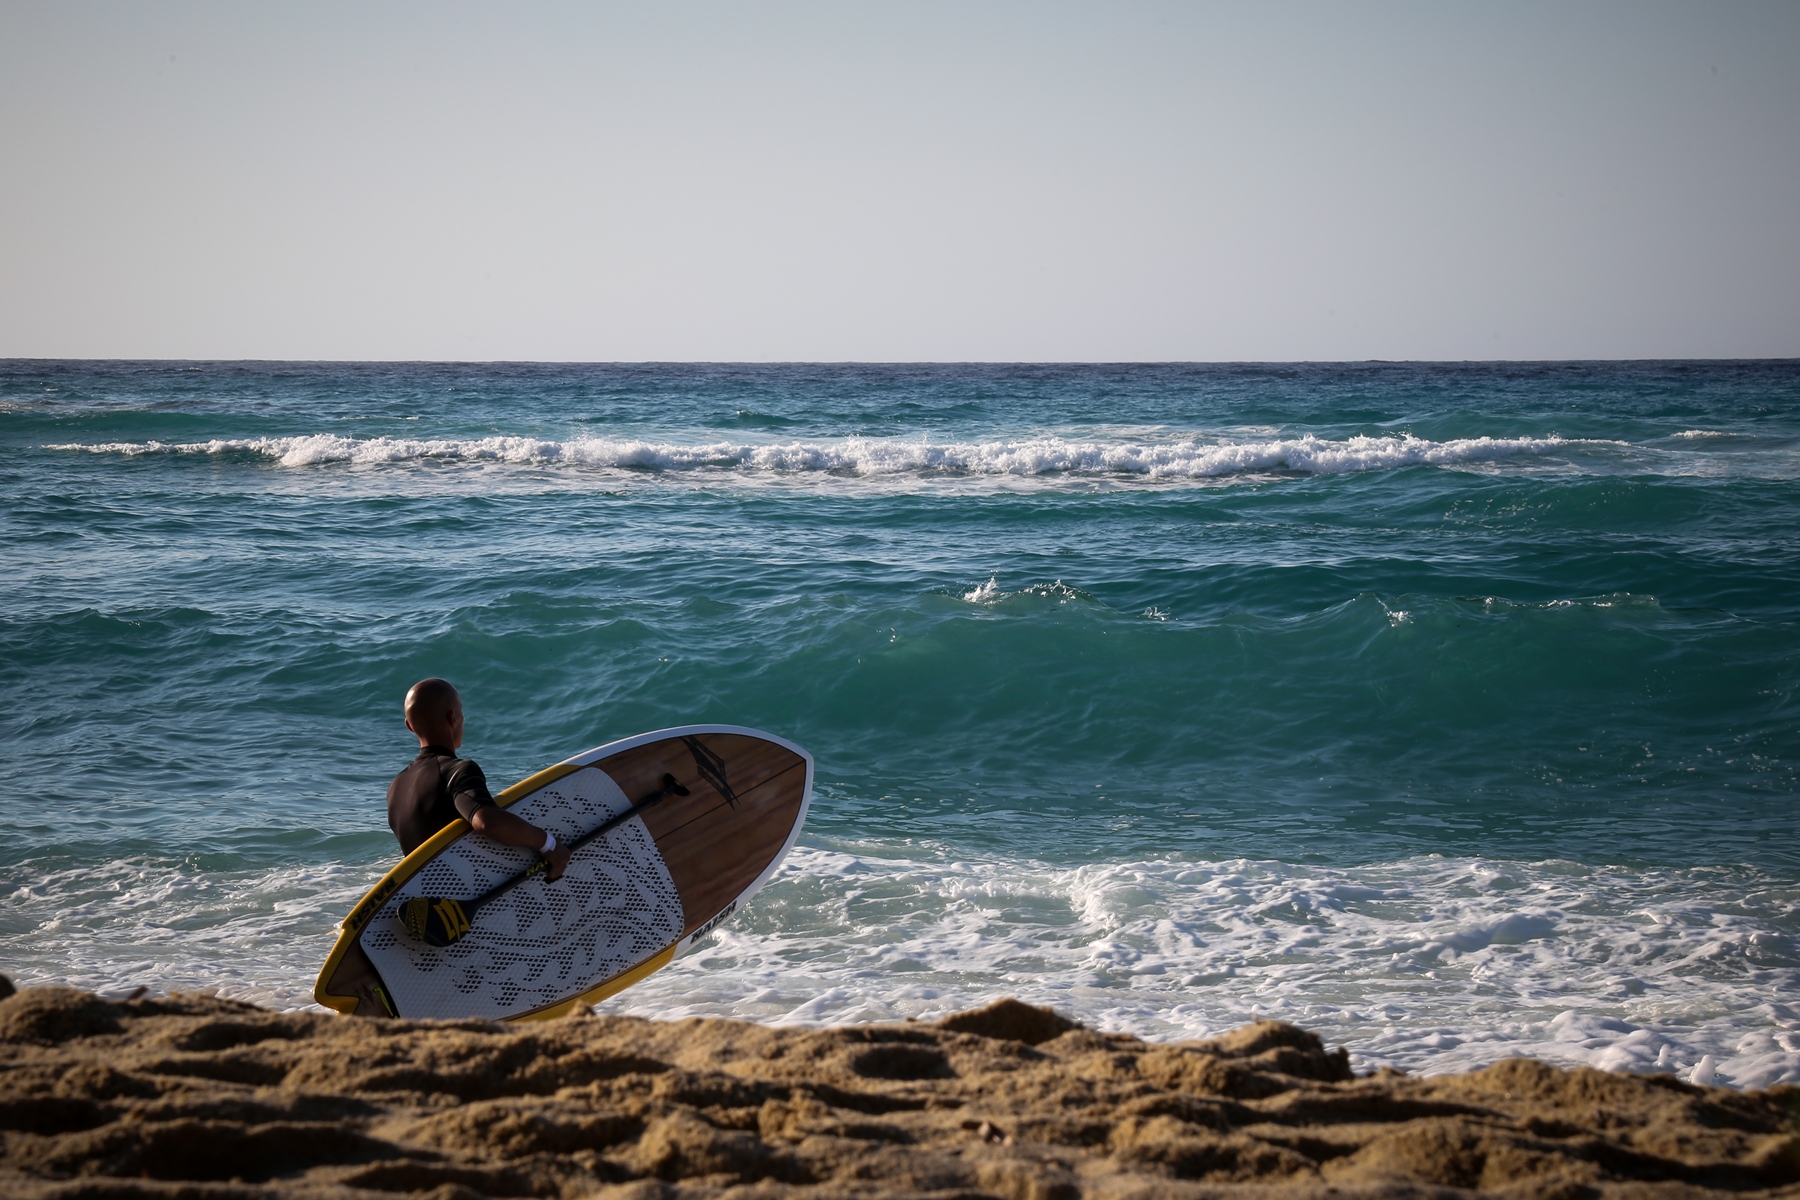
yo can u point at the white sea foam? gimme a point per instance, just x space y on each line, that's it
987 593
112 926
1429 964
990 594
1171 458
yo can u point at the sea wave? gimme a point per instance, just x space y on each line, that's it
1176 458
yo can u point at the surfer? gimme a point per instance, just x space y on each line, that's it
438 787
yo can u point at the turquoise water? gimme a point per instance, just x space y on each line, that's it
1449 710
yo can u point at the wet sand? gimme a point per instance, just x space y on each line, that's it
197 1098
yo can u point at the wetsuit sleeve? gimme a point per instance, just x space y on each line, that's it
468 788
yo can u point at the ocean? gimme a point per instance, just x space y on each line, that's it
1448 710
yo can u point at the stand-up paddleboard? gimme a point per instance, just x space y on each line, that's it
677 829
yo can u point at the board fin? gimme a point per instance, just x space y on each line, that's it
711 768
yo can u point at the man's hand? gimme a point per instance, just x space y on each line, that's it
556 862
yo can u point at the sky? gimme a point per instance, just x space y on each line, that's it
899 181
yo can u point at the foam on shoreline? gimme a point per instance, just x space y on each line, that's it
1431 964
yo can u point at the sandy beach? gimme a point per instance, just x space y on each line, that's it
196 1097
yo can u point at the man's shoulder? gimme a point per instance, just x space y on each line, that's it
443 772
463 771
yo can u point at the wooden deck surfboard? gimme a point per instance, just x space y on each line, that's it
631 901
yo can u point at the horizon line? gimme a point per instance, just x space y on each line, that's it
896 362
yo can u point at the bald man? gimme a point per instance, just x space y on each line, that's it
439 787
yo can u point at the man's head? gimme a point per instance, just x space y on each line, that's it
434 712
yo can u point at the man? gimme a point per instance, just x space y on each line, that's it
439 787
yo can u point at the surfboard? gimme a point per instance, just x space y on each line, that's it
684 826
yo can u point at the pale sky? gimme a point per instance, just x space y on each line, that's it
899 181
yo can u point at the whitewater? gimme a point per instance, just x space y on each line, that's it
1171 458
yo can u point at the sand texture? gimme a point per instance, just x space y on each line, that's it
205 1099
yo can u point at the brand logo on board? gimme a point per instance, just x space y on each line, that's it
713 924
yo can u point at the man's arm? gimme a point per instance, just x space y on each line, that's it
469 792
490 820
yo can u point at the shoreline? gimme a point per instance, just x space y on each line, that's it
197 1097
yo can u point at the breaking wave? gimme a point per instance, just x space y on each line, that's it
1190 458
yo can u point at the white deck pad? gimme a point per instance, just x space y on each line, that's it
613 908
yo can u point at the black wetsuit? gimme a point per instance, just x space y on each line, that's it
433 791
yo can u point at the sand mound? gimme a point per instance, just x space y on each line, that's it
191 1098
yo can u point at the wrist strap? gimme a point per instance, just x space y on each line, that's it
549 843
